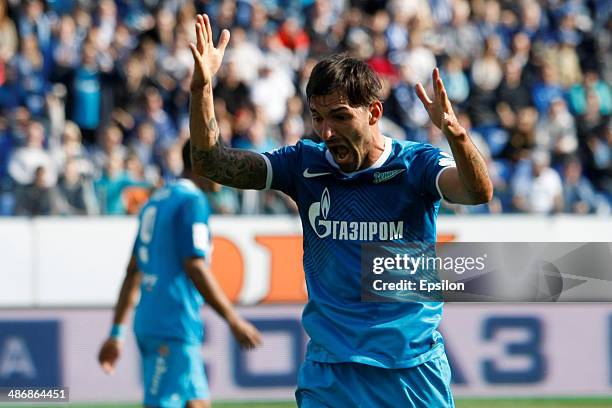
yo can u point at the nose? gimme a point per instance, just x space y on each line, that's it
326 131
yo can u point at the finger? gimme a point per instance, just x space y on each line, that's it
202 31
435 76
197 30
208 28
195 52
420 91
446 104
223 40
201 37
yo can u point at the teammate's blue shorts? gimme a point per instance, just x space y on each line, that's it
352 385
173 372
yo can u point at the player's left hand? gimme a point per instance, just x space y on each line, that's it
109 354
440 109
245 333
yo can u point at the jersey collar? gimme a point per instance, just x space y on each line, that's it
185 182
381 160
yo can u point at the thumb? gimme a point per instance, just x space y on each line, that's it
194 52
224 39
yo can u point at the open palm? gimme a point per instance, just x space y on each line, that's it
440 109
206 56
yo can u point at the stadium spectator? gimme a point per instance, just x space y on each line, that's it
85 93
74 194
166 133
547 90
578 194
556 132
592 84
34 21
27 159
231 90
65 50
458 85
536 186
512 94
36 198
111 186
110 143
8 36
31 75
486 74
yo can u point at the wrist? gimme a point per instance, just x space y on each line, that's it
232 319
201 89
456 136
117 332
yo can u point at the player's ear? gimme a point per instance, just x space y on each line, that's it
375 112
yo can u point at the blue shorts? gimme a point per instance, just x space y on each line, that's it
173 372
352 385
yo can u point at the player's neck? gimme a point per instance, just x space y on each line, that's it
376 150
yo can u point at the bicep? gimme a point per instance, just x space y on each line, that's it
451 187
236 168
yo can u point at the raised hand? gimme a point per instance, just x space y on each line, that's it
440 109
206 56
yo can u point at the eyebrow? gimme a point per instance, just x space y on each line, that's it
335 110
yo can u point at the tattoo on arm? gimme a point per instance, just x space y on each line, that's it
231 167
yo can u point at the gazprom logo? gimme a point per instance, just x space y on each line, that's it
320 209
350 230
325 203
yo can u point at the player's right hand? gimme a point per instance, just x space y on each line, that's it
206 56
245 333
109 354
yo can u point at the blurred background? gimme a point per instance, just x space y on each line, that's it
94 112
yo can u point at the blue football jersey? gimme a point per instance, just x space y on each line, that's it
395 200
173 227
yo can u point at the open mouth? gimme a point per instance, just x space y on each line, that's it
340 153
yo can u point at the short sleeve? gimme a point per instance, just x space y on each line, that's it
281 167
193 232
432 162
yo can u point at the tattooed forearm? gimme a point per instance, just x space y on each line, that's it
214 129
231 167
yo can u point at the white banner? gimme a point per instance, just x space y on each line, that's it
81 261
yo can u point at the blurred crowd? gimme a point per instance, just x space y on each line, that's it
94 95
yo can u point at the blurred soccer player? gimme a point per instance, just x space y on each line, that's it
356 186
170 269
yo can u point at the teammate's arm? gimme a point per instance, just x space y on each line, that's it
469 182
232 167
130 289
201 276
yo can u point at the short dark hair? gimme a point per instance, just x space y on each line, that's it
350 76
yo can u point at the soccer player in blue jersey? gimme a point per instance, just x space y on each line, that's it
170 270
355 187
